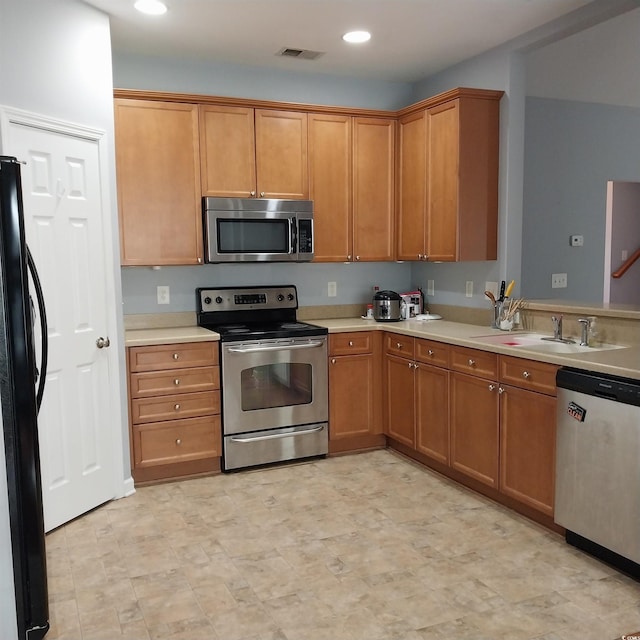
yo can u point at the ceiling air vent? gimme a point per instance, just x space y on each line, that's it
303 54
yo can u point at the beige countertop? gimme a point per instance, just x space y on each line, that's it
168 335
622 362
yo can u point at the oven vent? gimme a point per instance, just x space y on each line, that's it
303 54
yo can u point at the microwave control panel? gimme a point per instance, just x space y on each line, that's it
305 236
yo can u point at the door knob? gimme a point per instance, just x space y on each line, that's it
103 343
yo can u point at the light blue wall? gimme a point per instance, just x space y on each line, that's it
258 83
572 150
354 282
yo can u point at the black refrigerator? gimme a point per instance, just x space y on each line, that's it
21 389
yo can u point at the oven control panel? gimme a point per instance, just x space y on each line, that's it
247 298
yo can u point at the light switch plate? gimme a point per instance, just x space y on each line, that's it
430 287
469 289
332 289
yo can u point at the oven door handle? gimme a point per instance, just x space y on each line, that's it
276 436
280 347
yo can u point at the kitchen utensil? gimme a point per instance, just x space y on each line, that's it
503 284
490 296
387 306
507 293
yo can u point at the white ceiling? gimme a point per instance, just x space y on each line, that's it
411 39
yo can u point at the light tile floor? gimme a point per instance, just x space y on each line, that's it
368 546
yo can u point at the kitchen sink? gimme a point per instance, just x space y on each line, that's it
535 342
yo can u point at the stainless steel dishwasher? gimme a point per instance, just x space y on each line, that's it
597 494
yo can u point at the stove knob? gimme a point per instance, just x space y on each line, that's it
290 297
280 297
207 300
219 300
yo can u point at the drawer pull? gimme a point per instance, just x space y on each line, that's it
526 374
178 442
492 387
351 343
176 356
501 390
333 360
176 381
472 363
431 352
176 407
411 365
398 345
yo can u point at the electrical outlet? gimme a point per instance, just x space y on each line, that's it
576 241
430 287
469 289
558 280
332 289
164 295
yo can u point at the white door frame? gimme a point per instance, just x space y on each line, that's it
122 480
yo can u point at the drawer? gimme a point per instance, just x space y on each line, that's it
475 362
342 344
177 441
187 405
528 374
162 383
402 346
431 352
173 356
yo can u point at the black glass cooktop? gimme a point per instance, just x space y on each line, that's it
265 330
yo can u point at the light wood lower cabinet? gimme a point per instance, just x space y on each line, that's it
484 417
355 407
174 408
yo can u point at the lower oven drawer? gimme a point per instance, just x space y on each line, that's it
275 445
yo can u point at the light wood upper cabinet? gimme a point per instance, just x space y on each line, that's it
412 186
448 180
227 151
248 152
330 175
158 174
373 189
351 175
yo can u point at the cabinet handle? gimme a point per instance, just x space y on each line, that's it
349 257
176 381
178 442
425 257
431 352
333 360
199 260
357 257
472 363
176 356
419 256
351 343
176 407
492 387
411 365
526 374
262 194
501 390
252 194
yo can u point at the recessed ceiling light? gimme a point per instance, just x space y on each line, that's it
356 37
151 7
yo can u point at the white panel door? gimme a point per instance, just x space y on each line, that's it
63 204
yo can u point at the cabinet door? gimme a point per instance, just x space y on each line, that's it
330 161
412 186
432 412
527 447
474 427
158 173
351 396
373 189
442 177
227 151
281 154
400 400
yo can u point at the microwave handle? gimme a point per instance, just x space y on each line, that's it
294 236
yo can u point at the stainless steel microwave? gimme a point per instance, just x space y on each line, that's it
258 230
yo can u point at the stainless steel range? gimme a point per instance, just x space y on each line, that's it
274 375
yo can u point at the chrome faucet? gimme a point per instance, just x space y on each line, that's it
586 330
557 331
